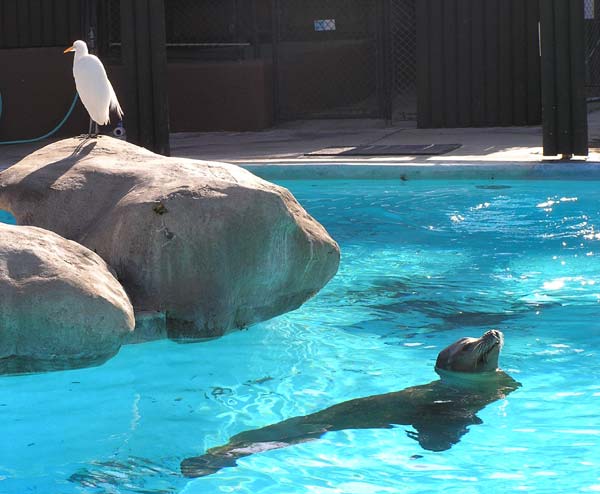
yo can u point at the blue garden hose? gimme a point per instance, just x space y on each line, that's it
53 131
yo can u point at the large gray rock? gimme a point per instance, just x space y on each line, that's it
60 306
209 244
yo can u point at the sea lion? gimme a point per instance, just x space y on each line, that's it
440 411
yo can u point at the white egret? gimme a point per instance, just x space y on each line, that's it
93 86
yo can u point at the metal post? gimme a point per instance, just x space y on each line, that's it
89 24
275 5
145 59
564 113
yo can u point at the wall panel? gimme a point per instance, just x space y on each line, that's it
39 23
478 63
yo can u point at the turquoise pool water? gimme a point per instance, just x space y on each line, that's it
6 217
423 263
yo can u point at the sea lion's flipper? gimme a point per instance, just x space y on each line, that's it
286 433
441 433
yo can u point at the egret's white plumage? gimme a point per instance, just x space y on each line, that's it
93 86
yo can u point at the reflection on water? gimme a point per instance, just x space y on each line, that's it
463 254
133 473
16 364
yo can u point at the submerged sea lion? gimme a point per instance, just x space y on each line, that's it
440 412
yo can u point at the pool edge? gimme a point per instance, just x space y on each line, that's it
479 171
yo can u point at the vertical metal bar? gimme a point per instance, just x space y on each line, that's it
74 21
144 73
548 64
506 62
23 24
519 55
129 59
11 35
478 50
423 62
464 25
47 22
386 61
534 83
579 127
89 26
255 35
563 77
275 6
35 20
160 88
237 23
2 42
61 21
436 63
450 63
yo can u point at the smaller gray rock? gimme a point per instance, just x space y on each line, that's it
60 306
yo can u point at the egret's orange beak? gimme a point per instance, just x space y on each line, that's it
71 48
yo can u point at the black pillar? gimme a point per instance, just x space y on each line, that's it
144 56
564 110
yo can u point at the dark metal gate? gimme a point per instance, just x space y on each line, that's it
327 58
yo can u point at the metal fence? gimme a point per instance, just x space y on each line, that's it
326 58
211 29
109 29
331 58
592 59
195 29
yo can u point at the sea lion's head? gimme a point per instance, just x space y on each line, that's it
472 355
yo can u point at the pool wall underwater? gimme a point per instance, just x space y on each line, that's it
550 170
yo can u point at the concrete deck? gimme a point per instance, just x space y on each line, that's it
487 148
289 143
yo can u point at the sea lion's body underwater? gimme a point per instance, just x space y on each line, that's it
440 412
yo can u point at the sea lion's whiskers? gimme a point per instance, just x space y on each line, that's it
480 349
488 341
